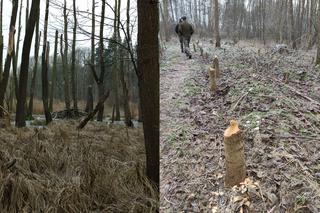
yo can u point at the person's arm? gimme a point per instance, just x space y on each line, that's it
191 29
177 29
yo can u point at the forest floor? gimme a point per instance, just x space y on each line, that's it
280 124
57 168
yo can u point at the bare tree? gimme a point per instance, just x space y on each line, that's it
54 71
34 16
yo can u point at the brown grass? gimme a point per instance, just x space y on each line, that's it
59 169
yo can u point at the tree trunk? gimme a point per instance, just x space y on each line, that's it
54 71
102 64
45 67
216 23
6 71
35 70
73 74
16 54
292 28
34 16
64 56
148 68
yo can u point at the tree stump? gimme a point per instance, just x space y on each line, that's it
194 47
234 155
216 66
212 77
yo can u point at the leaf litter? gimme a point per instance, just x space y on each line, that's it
280 123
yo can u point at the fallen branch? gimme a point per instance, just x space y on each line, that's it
84 122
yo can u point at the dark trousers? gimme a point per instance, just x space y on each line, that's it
186 42
181 43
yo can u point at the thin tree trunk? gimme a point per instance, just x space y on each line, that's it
101 59
54 71
35 70
73 74
318 39
64 55
148 67
45 67
7 65
216 22
34 16
292 28
16 54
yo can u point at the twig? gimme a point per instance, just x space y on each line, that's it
239 100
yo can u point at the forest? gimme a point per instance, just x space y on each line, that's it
75 79
240 106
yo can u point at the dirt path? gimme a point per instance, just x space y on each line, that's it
280 124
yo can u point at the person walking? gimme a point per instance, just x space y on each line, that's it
185 29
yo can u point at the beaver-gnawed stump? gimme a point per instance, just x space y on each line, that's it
234 155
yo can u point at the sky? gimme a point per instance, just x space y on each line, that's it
56 20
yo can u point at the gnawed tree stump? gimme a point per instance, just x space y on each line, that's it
234 155
216 66
213 79
100 104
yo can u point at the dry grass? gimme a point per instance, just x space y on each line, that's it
58 169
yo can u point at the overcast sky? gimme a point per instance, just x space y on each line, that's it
56 20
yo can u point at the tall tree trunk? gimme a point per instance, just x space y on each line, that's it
292 28
7 65
216 23
35 70
117 57
73 70
102 64
127 113
64 55
34 16
89 104
54 71
45 67
148 72
16 54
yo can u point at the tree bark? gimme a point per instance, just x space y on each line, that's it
34 16
292 28
148 72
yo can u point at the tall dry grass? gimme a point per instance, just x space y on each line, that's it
58 169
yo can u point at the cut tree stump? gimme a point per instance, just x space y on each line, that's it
216 66
234 155
100 104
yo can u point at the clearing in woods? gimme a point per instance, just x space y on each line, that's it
280 124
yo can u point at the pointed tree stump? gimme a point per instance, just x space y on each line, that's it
194 47
216 66
234 155
213 79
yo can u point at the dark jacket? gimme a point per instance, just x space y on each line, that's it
185 29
